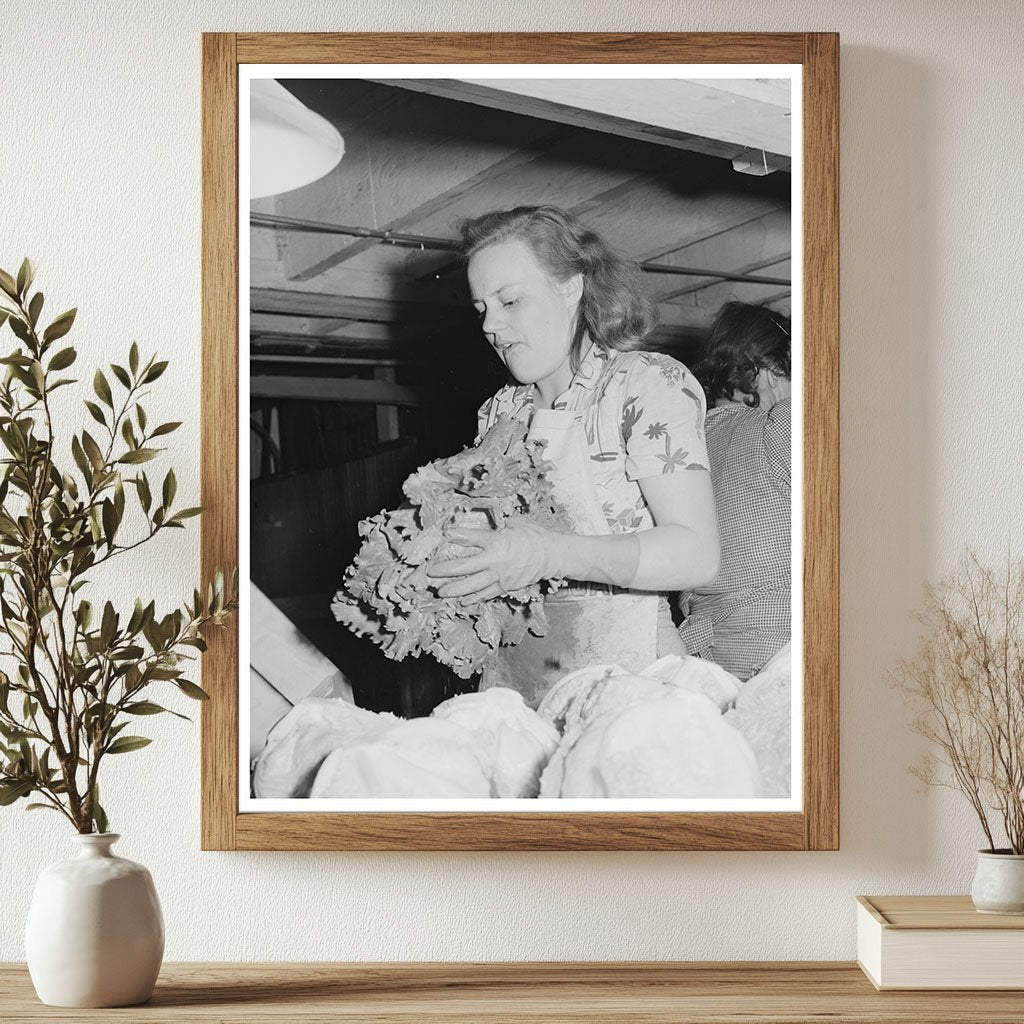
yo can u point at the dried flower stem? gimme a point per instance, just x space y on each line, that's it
967 680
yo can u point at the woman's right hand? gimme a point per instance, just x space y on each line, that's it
506 560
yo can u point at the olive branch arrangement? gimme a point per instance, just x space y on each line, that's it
79 674
967 679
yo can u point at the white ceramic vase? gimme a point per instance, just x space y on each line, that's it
95 933
999 882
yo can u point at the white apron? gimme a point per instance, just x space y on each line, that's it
588 624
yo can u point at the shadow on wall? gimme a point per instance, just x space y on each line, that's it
888 303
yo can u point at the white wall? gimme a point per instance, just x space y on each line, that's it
99 182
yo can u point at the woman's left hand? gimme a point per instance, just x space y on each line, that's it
507 560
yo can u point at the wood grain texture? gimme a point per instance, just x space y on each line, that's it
821 440
936 913
520 831
219 429
527 993
818 826
521 48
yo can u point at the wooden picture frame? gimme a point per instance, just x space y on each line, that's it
816 826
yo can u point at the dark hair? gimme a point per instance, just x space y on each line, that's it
744 340
615 309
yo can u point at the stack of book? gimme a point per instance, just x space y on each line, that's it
938 942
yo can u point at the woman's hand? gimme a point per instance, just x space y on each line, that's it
507 560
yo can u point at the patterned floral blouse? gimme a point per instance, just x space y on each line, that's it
643 415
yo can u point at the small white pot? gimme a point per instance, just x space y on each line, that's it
999 882
95 933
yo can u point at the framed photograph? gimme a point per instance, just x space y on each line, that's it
520 419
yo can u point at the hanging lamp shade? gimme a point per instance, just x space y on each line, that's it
290 146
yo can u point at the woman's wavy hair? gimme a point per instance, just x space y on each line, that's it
615 309
744 340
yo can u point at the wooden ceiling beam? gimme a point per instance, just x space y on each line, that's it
698 310
697 115
567 173
751 270
647 223
747 248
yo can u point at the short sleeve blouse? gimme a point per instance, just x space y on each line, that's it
643 416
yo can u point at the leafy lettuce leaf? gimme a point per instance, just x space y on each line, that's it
386 594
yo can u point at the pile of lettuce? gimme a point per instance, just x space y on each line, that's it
387 595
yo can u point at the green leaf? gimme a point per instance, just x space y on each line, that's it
125 744
11 733
133 358
128 433
163 673
99 816
102 388
135 622
154 371
185 513
11 791
92 449
63 359
10 442
130 653
170 487
26 274
80 459
95 412
34 308
145 497
16 359
191 690
60 326
20 328
121 374
109 521
143 707
140 415
95 529
7 283
138 455
84 614
108 627
166 428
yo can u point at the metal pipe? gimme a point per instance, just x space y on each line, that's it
264 220
724 275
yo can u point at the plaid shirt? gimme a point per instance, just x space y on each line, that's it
743 618
643 415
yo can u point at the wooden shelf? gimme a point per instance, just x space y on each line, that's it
694 993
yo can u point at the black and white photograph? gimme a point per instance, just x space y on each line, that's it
522 522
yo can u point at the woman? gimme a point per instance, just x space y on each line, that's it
742 618
567 316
